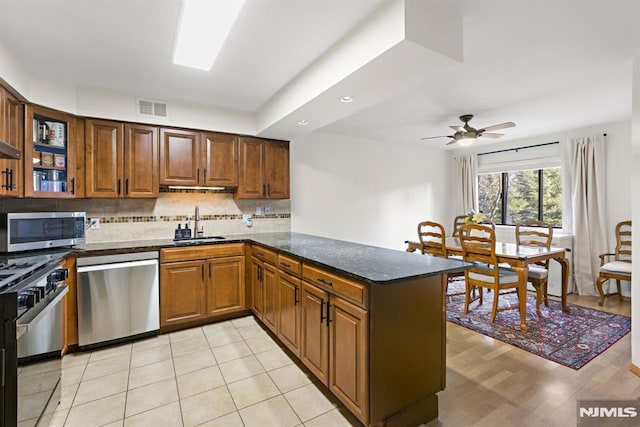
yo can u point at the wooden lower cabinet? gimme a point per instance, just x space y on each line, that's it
289 311
334 346
348 348
270 288
314 342
257 287
182 292
225 285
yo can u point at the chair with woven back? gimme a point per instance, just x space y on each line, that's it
479 247
432 241
620 268
531 232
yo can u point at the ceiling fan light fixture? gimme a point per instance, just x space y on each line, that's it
465 142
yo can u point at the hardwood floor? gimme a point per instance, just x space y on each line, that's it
490 383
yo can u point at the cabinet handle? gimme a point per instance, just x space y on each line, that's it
119 182
268 189
295 295
284 264
328 313
6 179
209 271
73 186
3 367
198 176
126 186
324 282
259 274
321 311
259 253
11 179
264 189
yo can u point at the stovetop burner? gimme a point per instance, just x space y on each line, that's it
12 273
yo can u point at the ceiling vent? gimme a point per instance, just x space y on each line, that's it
151 108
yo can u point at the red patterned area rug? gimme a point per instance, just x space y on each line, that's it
571 339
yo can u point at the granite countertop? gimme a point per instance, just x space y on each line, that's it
370 264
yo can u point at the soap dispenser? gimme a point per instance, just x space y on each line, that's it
178 233
187 231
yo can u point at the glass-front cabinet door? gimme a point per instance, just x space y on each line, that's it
49 154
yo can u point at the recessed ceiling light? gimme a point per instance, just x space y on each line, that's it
202 31
303 122
346 99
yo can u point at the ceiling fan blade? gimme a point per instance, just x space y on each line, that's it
441 136
452 142
492 135
457 128
497 127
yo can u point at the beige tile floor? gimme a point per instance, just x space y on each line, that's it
225 374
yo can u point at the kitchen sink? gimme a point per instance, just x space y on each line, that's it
199 240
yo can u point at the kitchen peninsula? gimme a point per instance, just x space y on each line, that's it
367 321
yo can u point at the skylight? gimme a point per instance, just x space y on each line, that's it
202 31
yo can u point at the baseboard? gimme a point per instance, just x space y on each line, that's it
633 368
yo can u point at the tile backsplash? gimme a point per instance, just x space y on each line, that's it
133 219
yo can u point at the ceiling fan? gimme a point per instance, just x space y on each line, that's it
466 135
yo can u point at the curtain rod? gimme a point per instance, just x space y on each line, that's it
522 148
519 148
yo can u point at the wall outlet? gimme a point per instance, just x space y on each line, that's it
267 210
258 210
94 223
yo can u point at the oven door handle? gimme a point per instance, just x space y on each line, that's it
24 324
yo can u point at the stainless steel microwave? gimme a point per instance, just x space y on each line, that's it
40 230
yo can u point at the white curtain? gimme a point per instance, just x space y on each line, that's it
466 184
583 207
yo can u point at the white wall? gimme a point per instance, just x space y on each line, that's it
363 190
634 154
618 165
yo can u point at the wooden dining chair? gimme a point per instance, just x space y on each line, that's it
532 232
479 247
457 222
432 241
620 268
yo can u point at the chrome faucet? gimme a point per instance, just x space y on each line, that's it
197 230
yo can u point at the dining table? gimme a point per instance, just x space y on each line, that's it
519 257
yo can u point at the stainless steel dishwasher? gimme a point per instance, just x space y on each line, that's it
118 297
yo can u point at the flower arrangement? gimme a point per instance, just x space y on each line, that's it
474 218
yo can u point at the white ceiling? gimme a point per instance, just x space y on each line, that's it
547 65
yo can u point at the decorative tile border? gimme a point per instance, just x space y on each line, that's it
173 218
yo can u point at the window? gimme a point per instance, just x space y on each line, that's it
510 197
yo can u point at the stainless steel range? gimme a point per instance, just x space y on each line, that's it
31 292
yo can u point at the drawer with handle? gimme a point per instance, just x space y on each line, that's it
353 291
289 264
264 254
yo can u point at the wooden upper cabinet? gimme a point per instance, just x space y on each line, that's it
49 153
220 160
252 183
120 160
140 161
12 132
277 169
264 169
103 158
179 157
